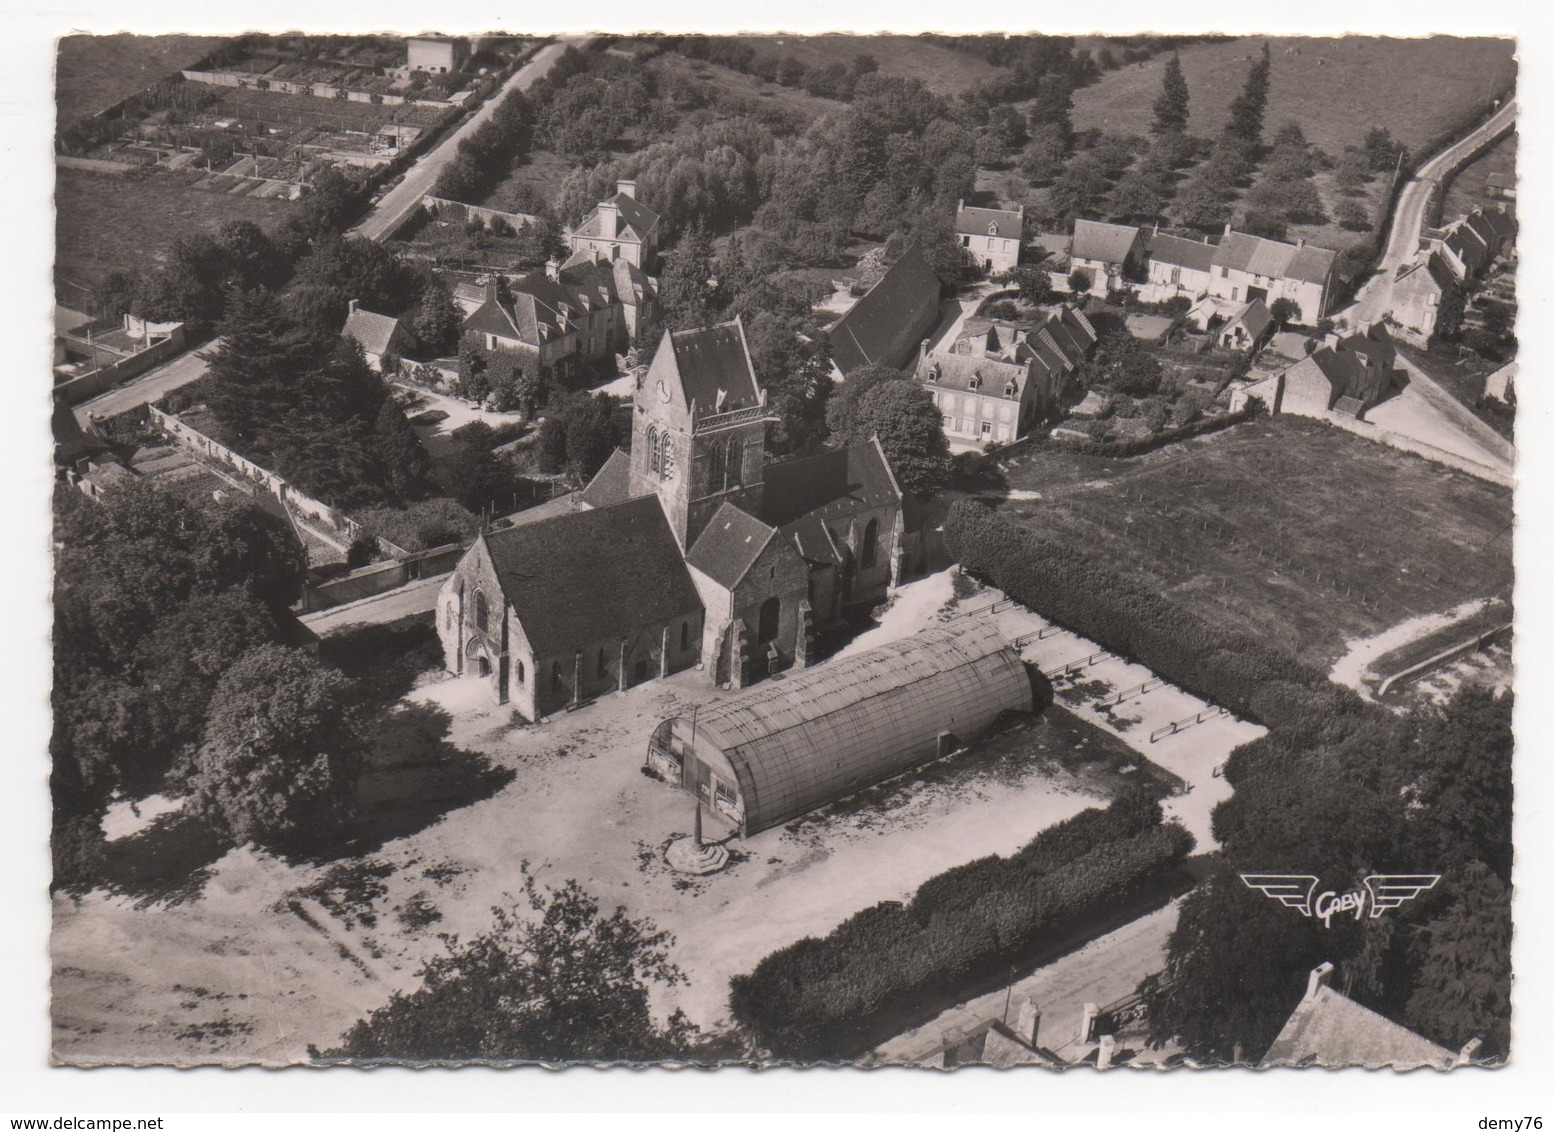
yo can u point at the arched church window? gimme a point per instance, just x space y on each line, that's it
652 447
871 539
717 466
482 614
665 457
736 461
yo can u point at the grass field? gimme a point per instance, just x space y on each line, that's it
127 223
941 68
1337 89
1467 188
96 71
1298 533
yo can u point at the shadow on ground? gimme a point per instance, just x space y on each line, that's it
413 777
168 862
385 659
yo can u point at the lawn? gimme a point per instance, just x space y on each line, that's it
246 956
127 223
1300 534
97 71
942 69
1337 89
1466 191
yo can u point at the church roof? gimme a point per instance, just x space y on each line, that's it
713 366
592 574
886 325
830 486
729 545
611 483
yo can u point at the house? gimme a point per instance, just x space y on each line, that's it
1330 1029
886 326
998 379
1247 328
1113 254
621 227
1247 267
558 316
438 54
1179 266
990 237
1348 376
381 336
1500 186
711 556
1417 291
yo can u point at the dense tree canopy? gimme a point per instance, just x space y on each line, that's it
1171 106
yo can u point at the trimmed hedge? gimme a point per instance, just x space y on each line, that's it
1130 617
820 998
1143 444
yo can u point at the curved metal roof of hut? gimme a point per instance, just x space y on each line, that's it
824 733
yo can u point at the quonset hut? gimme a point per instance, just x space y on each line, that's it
771 754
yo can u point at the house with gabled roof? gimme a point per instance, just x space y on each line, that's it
886 326
771 553
381 336
1330 1029
1247 267
1417 292
1179 266
619 227
990 237
998 378
1112 254
1348 376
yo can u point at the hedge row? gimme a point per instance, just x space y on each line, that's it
820 998
1142 444
1129 616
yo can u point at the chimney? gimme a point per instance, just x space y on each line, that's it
1104 1054
626 189
1227 227
609 219
1087 1022
1300 242
553 268
1317 980
1468 1052
353 304
1027 1022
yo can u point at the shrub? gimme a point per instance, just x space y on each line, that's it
821 998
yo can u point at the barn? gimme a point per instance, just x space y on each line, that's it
769 755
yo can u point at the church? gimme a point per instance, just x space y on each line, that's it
690 551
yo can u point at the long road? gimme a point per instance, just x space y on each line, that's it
395 208
1375 298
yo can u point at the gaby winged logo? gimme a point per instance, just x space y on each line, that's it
1379 892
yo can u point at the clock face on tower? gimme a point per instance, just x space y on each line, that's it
663 392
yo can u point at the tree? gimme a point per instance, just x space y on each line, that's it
1139 197
399 451
1248 107
1202 205
911 432
559 981
420 525
438 322
683 290
331 199
1352 216
842 411
795 373
1080 280
1463 959
1171 106
1284 312
1449 313
281 754
481 481
1353 171
1052 112
1384 153
1034 282
591 434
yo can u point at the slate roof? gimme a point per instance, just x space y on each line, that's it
1255 317
374 331
637 220
1240 251
1502 224
830 486
729 545
887 324
1195 255
976 221
1329 1029
957 371
1431 267
713 366
1102 242
591 574
1375 345
1470 247
611 483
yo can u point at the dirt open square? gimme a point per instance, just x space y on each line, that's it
240 955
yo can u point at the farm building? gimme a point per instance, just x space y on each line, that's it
768 756
1113 254
887 324
439 54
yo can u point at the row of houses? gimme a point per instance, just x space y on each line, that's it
1239 268
1452 257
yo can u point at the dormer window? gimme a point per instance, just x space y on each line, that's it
1010 390
975 382
992 228
933 376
